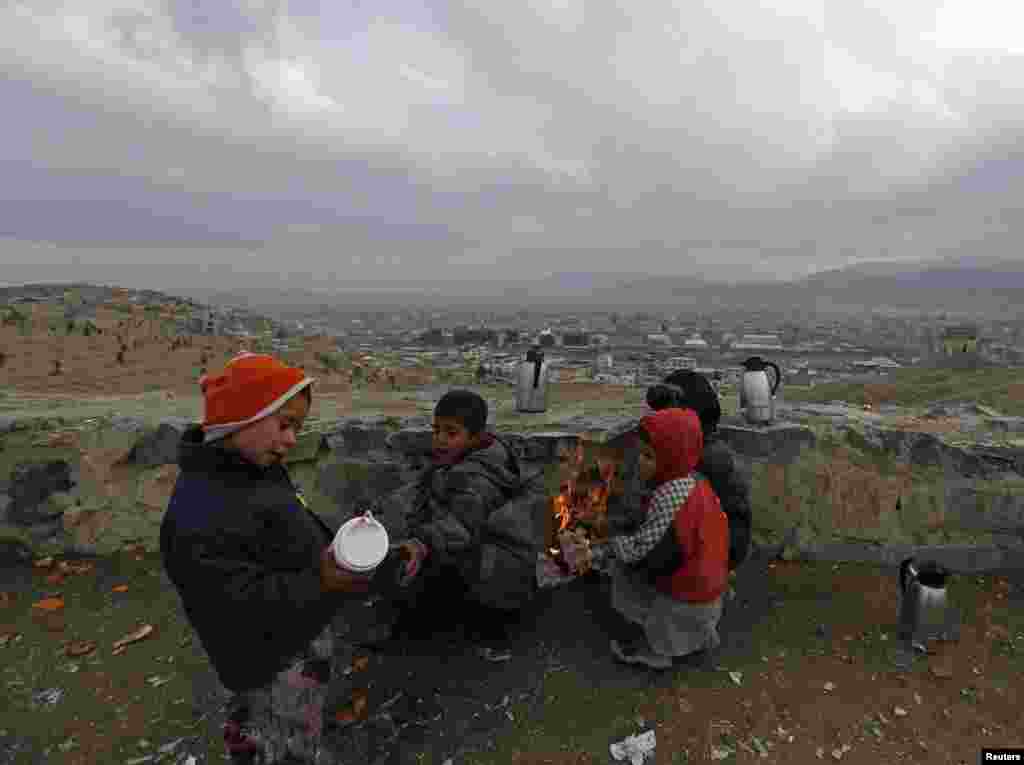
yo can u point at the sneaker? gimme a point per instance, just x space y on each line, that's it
494 655
640 653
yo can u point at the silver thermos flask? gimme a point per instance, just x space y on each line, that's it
531 393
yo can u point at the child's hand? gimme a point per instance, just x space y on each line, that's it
333 578
412 552
576 551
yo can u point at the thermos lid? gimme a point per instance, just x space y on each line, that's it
361 544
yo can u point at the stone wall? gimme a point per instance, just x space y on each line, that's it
832 490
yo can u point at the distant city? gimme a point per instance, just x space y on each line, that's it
616 348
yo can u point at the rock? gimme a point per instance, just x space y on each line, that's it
10 424
986 508
354 484
549 446
781 443
32 484
1007 425
127 424
158 447
357 437
16 546
410 442
604 428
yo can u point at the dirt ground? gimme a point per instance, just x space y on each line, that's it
90 366
804 675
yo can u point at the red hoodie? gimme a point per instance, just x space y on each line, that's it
701 528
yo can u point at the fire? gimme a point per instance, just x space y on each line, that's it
583 500
562 511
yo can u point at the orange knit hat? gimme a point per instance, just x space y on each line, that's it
251 387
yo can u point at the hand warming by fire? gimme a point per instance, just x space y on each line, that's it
580 512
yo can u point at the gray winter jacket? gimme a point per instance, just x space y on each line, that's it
455 501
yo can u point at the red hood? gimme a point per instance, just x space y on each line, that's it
677 440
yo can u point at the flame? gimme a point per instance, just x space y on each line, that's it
562 509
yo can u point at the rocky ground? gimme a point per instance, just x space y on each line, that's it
807 668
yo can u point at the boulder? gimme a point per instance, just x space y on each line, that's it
16 546
550 446
990 507
410 442
160 446
32 484
356 437
10 424
926 450
1007 425
354 484
780 442
603 428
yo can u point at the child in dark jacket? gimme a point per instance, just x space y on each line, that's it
253 565
473 473
669 576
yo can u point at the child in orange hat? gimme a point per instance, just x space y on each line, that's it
252 563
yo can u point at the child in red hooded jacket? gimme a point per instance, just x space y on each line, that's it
668 578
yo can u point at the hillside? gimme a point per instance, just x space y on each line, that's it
94 341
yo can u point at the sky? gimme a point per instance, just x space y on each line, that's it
420 141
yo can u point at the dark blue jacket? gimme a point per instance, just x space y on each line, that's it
243 552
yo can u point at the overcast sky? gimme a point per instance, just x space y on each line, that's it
421 139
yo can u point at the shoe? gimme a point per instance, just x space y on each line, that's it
640 653
494 655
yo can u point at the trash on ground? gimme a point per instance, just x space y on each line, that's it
722 752
736 677
49 696
80 647
49 604
170 746
142 632
635 748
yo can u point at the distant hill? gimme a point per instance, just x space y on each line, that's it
973 285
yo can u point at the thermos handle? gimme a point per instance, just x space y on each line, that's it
536 373
778 375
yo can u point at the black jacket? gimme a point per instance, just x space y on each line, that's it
243 552
719 465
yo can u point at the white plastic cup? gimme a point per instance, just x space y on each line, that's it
361 544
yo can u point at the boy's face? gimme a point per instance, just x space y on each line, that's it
267 441
648 462
452 437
